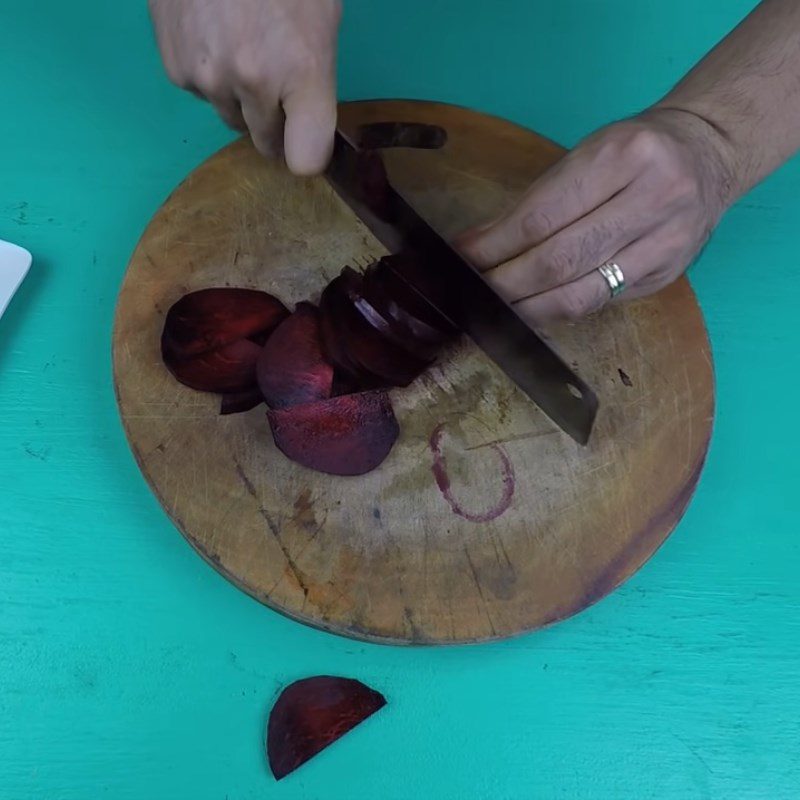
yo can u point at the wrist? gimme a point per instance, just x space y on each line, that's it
715 149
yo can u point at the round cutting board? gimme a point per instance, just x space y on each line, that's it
485 520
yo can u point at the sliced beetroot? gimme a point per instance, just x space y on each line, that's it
415 285
372 353
332 308
311 714
353 283
211 318
346 384
292 368
238 402
347 435
397 302
228 369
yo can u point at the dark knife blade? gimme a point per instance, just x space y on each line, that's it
359 178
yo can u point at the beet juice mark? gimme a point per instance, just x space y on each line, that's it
439 469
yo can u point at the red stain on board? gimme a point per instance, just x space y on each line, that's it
439 469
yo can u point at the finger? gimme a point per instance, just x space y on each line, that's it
573 251
264 119
310 123
666 257
572 188
591 292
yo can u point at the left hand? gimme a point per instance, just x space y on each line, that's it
644 193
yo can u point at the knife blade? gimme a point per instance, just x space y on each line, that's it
359 178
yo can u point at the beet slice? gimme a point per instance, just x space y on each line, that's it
347 435
238 402
292 368
397 302
362 345
346 384
335 347
311 714
353 284
228 369
211 318
433 304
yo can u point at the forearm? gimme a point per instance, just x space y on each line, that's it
748 89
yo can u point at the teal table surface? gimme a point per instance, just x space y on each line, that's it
130 669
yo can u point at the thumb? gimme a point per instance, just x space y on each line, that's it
310 122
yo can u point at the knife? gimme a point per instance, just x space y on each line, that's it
359 178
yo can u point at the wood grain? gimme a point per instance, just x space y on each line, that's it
486 520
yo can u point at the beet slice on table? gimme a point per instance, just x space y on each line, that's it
211 318
238 402
347 435
292 368
335 345
311 714
231 368
398 302
403 272
361 348
354 285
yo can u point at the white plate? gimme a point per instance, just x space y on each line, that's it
14 265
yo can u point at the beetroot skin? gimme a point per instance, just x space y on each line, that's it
211 318
291 368
231 368
311 714
347 435
238 402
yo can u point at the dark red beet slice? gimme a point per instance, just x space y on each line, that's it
345 384
402 269
347 435
362 345
311 714
211 318
292 368
334 343
354 286
231 368
396 301
238 402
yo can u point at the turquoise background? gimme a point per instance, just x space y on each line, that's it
130 669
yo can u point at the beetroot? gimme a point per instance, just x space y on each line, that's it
347 435
416 271
354 285
359 348
210 318
336 348
291 368
398 302
322 371
231 368
238 402
311 714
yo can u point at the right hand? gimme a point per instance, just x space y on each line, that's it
267 66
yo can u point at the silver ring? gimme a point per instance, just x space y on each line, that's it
612 274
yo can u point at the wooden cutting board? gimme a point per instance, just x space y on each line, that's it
485 520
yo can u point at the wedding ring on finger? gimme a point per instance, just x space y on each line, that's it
612 274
